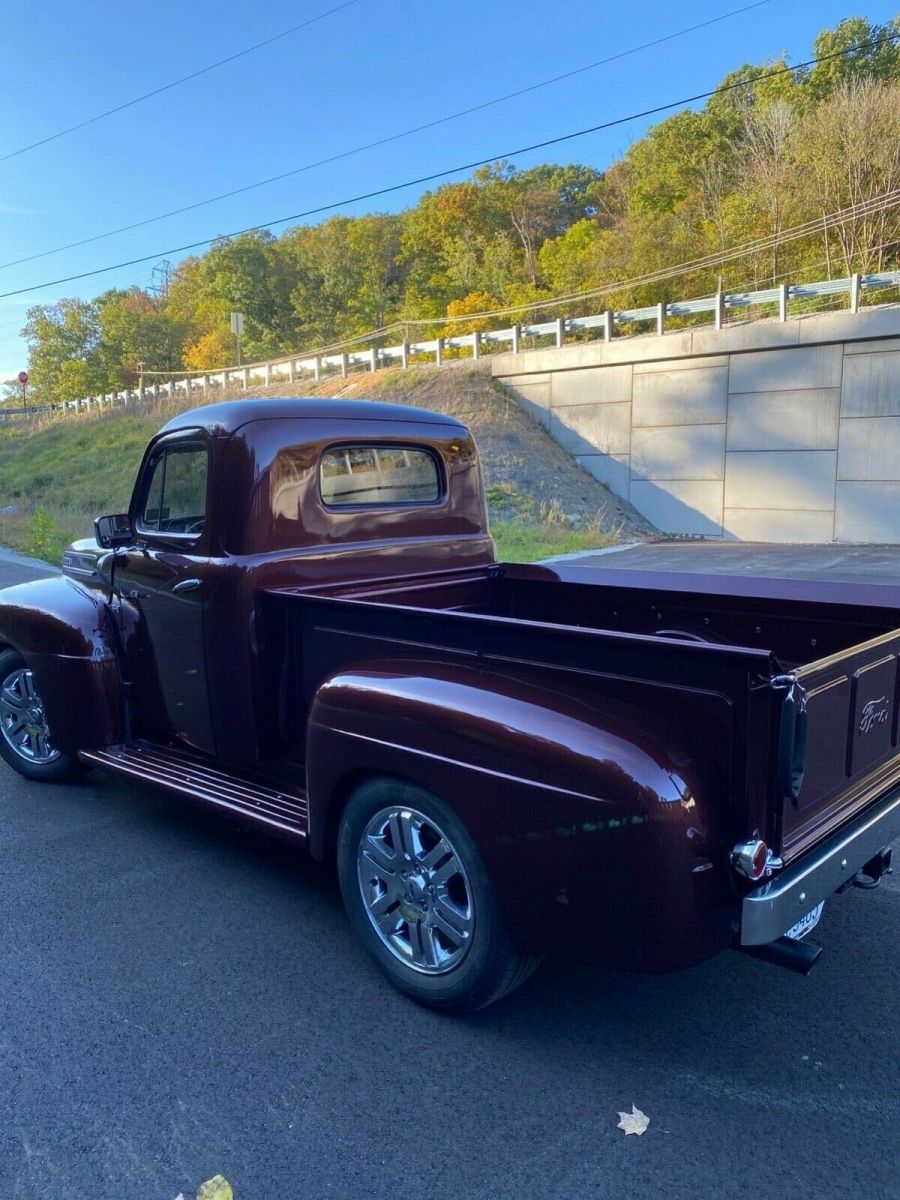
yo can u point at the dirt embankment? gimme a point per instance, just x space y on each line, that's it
528 476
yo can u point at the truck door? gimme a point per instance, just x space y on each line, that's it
161 582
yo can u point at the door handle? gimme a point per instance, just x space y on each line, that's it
186 585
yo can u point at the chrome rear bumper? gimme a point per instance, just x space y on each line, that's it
770 910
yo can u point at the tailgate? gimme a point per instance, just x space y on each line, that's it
851 753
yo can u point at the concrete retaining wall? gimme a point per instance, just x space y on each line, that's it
766 432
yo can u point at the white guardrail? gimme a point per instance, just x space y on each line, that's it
314 366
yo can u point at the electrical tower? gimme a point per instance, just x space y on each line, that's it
160 279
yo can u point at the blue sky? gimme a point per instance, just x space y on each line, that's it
366 72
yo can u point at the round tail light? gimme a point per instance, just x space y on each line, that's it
751 859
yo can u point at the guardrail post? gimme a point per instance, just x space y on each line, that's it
720 309
784 293
345 365
439 352
317 368
373 359
245 378
476 344
404 354
268 375
516 338
205 386
127 396
292 371
609 325
560 332
855 289
661 319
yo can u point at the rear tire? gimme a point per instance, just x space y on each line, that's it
25 740
419 898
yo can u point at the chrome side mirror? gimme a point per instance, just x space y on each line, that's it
112 533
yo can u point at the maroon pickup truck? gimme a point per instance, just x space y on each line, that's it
300 621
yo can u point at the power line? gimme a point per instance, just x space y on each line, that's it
177 82
394 137
481 162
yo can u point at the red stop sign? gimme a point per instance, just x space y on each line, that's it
23 377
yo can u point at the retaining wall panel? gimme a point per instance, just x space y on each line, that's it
870 448
780 479
801 420
678 452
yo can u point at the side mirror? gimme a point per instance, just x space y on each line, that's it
114 532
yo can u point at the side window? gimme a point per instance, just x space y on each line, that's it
175 499
354 475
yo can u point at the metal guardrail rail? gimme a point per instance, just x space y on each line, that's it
314 366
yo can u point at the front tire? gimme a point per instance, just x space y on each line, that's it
419 898
25 740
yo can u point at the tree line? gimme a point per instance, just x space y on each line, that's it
752 165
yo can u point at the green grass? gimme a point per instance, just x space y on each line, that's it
60 477
518 541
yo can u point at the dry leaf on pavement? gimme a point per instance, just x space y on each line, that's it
633 1122
217 1188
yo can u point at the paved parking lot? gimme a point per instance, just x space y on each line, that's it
179 996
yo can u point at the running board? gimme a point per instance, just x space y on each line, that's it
190 774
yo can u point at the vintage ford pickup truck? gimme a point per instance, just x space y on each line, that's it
300 620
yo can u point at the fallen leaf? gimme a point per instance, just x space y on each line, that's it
217 1188
633 1122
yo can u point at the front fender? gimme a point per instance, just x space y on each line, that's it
64 633
599 838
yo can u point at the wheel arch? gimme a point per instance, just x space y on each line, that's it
606 823
63 633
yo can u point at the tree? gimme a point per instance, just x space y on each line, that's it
858 49
134 330
63 342
850 154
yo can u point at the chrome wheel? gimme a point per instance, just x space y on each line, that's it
415 890
22 720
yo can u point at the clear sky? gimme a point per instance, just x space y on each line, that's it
368 71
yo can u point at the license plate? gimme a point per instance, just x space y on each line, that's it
807 923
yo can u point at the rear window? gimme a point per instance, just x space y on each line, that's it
350 476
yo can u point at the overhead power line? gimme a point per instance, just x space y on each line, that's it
436 175
384 141
166 87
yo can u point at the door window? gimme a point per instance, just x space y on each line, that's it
175 497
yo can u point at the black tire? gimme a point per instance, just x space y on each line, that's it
491 965
62 767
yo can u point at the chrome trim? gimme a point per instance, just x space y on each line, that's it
770 910
183 771
744 856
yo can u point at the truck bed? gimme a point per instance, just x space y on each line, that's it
788 688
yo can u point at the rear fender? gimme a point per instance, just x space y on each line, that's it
65 634
591 832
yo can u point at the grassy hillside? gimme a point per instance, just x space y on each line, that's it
54 479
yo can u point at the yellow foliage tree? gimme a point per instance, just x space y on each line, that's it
475 302
210 350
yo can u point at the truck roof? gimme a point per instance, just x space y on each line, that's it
229 415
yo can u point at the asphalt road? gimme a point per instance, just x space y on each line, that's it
179 996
